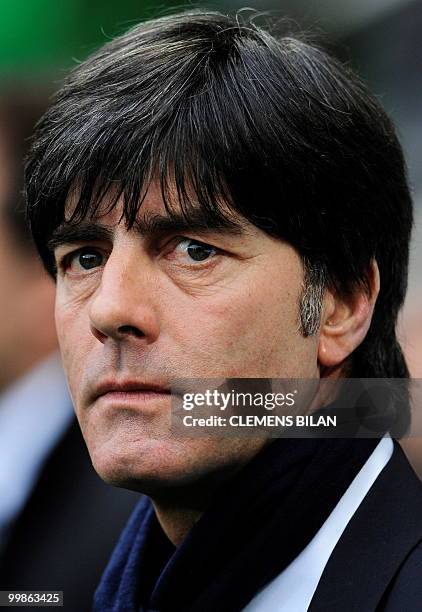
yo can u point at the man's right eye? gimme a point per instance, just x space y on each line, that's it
86 258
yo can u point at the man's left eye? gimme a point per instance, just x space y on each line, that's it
196 251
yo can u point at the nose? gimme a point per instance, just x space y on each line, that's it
123 307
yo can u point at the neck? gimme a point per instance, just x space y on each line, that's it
178 509
176 522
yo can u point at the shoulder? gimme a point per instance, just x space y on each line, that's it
405 591
380 552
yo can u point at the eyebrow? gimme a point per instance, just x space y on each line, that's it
147 226
82 232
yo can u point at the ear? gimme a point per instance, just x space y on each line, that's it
345 321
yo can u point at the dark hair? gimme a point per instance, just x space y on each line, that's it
235 118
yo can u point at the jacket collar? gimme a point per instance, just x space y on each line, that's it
382 532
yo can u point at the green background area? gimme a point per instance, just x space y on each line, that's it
48 35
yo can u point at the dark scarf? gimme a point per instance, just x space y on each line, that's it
258 523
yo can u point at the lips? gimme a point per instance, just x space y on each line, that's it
129 388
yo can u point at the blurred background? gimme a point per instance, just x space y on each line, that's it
39 41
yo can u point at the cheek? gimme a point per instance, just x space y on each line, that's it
240 333
75 340
254 334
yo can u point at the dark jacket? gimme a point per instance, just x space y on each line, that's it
377 563
65 534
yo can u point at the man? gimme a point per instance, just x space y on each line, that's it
58 521
217 202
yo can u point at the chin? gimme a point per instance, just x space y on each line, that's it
158 467
143 465
127 449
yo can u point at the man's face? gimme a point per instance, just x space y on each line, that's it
137 309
